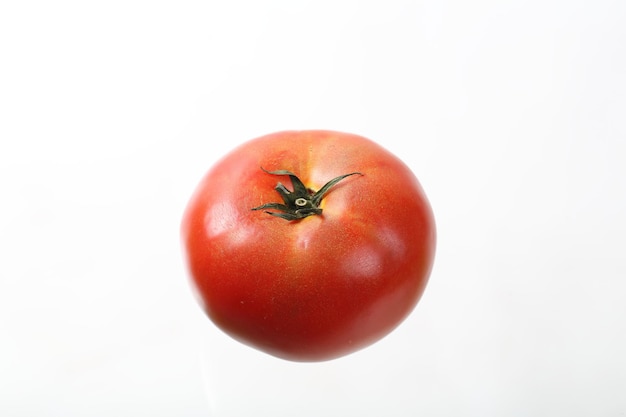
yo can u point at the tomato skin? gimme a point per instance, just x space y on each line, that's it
324 286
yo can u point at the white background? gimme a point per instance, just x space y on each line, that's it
511 113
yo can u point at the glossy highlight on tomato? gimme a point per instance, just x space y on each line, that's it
309 245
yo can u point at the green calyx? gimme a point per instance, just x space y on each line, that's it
301 202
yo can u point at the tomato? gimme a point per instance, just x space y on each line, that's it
309 245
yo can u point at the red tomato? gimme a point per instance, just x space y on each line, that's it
302 271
